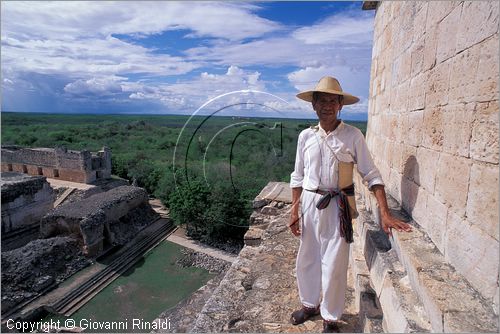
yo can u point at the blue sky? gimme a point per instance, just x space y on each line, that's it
175 57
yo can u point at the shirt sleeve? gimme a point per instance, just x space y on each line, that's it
297 176
366 168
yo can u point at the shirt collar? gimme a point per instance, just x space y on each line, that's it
338 128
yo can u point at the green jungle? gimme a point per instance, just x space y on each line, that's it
206 170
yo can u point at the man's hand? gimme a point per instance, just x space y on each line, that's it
389 222
294 224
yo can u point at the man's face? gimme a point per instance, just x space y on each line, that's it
327 106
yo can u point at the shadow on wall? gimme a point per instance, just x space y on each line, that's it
410 183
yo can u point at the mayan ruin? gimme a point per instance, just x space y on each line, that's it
133 222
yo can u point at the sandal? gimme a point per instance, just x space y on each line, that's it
330 327
301 316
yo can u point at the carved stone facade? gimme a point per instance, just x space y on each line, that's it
58 163
433 126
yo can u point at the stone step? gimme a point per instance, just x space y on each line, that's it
449 301
64 195
382 281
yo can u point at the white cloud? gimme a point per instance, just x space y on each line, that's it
340 28
67 19
191 94
94 86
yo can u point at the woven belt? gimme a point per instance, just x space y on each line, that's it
323 192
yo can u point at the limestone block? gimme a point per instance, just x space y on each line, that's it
420 20
399 97
395 68
463 87
457 124
393 185
436 222
482 200
452 182
413 133
484 142
409 194
479 21
438 10
405 67
386 9
417 56
487 73
473 253
416 94
432 136
447 35
419 211
397 152
409 168
430 47
438 81
427 161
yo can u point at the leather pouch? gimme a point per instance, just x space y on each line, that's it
346 181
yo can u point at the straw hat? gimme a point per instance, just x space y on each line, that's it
328 85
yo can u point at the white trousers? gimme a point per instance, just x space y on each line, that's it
322 259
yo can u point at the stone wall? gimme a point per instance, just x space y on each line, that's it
433 125
59 163
25 200
109 218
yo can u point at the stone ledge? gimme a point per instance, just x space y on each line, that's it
402 310
449 301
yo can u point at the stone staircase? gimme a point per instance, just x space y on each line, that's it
417 290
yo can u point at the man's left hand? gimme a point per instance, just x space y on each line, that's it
389 222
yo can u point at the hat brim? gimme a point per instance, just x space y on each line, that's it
308 95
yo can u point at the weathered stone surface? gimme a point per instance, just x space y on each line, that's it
452 182
447 35
415 123
482 201
438 82
402 311
487 72
474 253
416 95
463 86
431 33
457 124
441 288
427 160
25 200
276 191
436 222
29 270
121 212
484 145
269 210
479 21
433 128
453 83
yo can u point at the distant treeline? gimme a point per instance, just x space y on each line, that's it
206 170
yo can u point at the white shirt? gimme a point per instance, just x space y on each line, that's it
316 166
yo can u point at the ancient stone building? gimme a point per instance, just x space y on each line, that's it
25 199
433 126
58 163
102 220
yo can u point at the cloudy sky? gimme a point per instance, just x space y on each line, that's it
181 57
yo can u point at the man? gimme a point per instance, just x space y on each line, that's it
323 254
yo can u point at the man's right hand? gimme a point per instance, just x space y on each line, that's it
294 224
